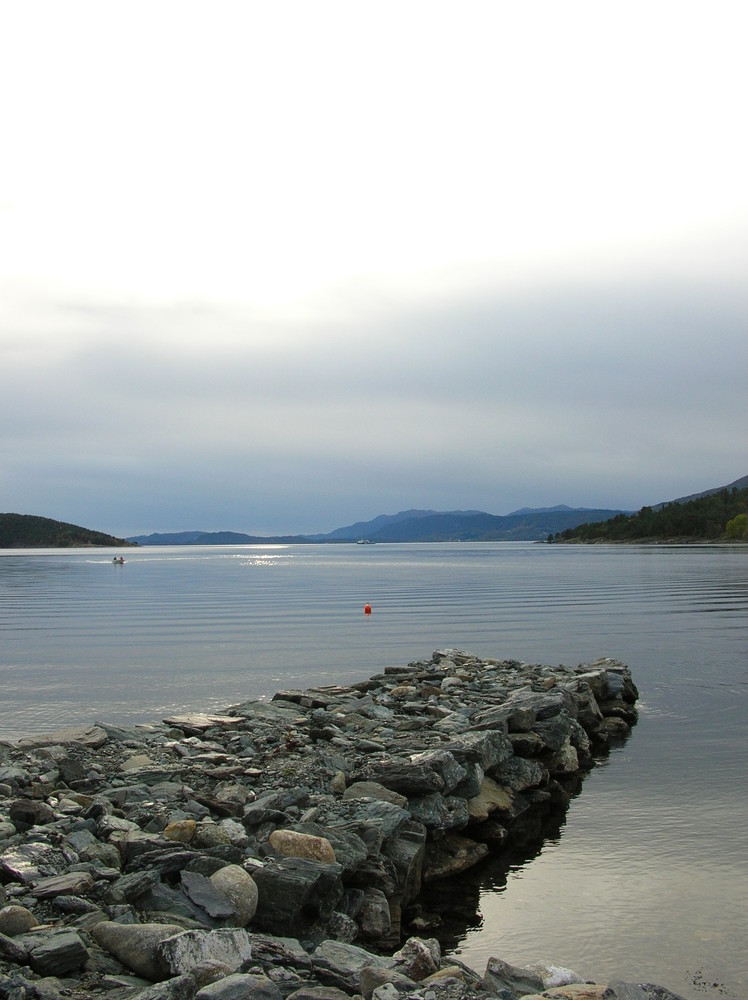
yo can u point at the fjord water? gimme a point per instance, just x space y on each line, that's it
645 879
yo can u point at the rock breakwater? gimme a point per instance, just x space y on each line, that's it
279 850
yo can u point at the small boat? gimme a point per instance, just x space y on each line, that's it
119 560
365 541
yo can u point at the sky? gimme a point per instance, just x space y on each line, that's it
277 268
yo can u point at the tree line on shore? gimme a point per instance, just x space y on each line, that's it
27 531
720 516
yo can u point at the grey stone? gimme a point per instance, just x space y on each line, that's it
375 915
178 988
136 945
15 919
70 883
13 951
25 813
204 893
58 952
295 894
318 993
440 812
374 790
339 964
280 951
238 886
418 958
182 952
240 986
372 978
501 979
27 863
88 736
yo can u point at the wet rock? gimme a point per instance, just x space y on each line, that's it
492 798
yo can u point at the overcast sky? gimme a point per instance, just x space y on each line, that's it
278 267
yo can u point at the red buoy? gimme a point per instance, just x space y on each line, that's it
367 609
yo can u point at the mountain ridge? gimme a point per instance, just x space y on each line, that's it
410 526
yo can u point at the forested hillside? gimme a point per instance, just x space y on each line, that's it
26 531
718 516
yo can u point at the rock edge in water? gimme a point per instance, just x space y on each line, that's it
243 854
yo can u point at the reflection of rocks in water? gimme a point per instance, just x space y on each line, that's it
449 909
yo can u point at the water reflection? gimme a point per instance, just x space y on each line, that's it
450 916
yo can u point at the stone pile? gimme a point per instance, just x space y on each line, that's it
279 850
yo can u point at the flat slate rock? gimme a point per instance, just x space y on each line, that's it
90 736
201 721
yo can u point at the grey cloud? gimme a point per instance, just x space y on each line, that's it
616 396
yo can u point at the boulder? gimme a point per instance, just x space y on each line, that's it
25 813
339 964
418 958
30 862
374 790
296 894
451 855
291 844
238 886
56 952
492 798
502 979
182 952
69 884
240 986
136 945
203 893
15 919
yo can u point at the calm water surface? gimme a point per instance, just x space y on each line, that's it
646 875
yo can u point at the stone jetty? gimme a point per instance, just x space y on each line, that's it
279 851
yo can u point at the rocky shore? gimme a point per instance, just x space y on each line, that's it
279 851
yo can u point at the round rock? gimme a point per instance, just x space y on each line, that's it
239 887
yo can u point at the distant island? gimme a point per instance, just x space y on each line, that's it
26 531
716 515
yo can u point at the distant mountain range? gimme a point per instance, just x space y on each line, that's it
525 525
528 524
